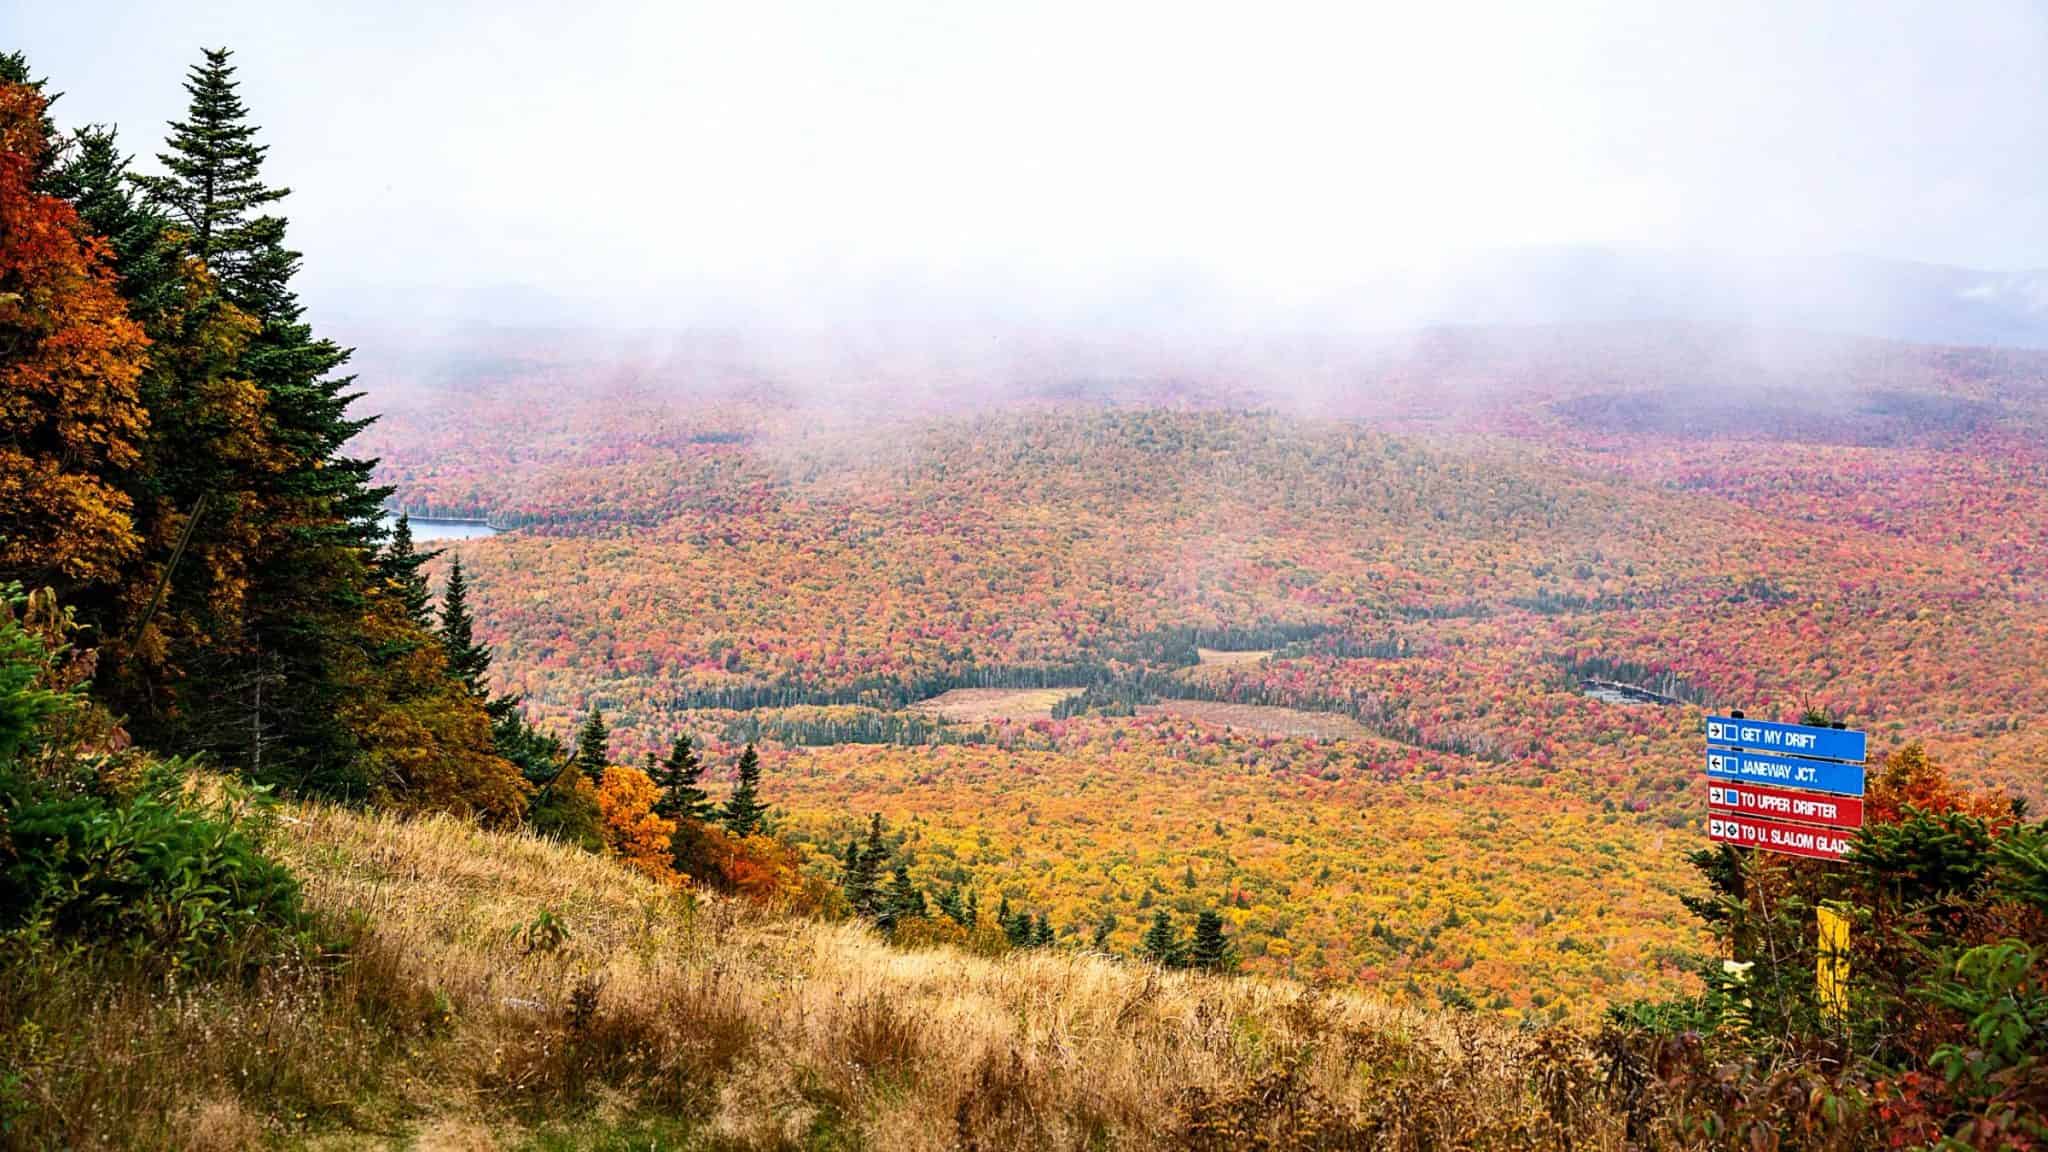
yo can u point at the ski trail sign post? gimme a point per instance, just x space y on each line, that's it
1790 788
1795 789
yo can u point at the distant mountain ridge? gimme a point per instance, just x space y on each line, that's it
1567 286
1844 295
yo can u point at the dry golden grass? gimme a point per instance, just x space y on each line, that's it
780 1033
498 990
987 705
1230 657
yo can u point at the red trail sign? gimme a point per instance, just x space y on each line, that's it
1766 802
1793 839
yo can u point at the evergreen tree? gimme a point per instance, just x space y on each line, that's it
1162 943
682 798
1211 950
215 169
1042 936
864 863
1019 929
973 909
291 701
744 813
593 745
1104 928
857 880
467 659
470 661
400 564
94 176
539 755
904 901
950 907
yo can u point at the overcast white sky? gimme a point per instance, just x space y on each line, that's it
648 159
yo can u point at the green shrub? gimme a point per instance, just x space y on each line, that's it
152 876
141 869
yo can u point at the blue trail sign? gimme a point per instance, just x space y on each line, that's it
1785 772
1787 739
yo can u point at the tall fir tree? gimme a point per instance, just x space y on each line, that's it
537 753
856 880
744 814
214 167
862 869
678 776
593 745
296 701
467 659
401 564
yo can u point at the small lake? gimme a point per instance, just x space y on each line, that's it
431 528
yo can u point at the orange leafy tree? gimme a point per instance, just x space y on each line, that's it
632 831
70 357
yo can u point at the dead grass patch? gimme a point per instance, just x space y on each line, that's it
991 705
744 1030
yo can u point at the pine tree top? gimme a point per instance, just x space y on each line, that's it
94 176
215 166
593 744
401 564
677 776
744 814
467 659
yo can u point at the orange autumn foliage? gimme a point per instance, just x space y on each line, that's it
1396 776
70 415
1906 778
632 830
758 867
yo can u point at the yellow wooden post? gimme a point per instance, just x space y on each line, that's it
1737 972
1832 970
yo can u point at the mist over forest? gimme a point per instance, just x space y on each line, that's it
1172 577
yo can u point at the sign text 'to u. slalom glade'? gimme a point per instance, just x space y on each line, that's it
1792 839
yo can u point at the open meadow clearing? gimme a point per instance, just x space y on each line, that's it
984 705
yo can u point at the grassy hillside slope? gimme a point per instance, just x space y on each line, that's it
501 991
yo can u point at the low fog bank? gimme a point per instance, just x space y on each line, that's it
1580 319
559 392
1846 295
